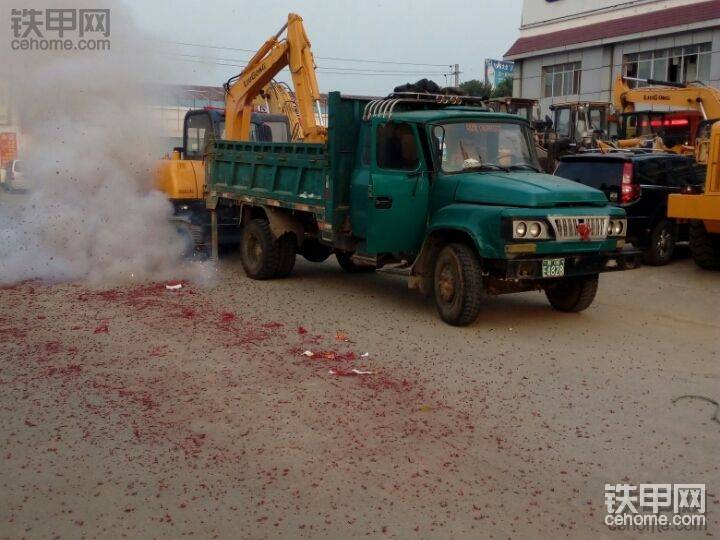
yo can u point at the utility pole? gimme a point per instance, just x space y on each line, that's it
456 74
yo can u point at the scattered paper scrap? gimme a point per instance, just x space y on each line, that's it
309 354
174 287
365 355
348 372
102 329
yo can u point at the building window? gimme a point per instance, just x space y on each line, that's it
678 64
561 80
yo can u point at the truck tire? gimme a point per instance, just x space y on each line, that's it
662 244
314 251
704 246
287 245
457 285
346 263
573 294
258 250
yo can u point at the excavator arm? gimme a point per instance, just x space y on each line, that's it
696 97
278 99
294 52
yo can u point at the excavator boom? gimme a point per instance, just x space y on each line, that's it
294 52
705 99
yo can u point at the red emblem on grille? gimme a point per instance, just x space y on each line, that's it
584 231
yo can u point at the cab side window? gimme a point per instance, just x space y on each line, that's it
562 122
396 147
198 129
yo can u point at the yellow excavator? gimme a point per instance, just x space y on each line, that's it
181 176
693 96
703 209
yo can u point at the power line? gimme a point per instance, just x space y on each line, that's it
230 62
334 58
326 68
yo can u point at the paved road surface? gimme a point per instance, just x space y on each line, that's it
140 411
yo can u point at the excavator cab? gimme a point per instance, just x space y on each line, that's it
199 128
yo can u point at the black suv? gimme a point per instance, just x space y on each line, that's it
640 183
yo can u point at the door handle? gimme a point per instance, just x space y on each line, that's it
383 203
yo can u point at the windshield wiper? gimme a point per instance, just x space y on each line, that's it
524 166
486 167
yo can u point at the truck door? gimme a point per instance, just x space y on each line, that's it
397 191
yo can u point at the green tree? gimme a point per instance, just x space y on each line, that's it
477 88
504 89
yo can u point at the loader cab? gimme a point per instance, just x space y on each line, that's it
202 126
526 108
578 121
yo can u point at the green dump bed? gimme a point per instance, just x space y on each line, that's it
284 173
300 176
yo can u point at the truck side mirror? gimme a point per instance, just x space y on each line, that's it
439 135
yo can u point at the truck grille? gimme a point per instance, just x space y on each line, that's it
566 227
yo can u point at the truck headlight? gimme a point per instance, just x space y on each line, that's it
530 229
617 227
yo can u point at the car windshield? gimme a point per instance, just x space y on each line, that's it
479 146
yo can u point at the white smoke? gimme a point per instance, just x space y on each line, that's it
88 146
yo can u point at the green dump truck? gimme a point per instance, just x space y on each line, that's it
434 184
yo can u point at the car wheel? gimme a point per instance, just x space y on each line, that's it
572 294
458 287
258 250
662 244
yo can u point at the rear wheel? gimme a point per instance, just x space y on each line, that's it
287 245
662 244
346 263
573 294
259 250
704 246
457 285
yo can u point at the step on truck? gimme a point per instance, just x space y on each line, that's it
433 183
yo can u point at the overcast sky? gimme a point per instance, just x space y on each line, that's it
439 32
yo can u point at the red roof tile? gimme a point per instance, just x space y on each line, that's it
619 27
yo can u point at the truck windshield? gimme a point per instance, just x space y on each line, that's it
479 146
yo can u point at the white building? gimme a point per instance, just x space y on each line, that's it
572 50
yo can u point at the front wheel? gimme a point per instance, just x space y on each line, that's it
573 294
457 285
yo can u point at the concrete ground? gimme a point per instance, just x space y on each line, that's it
136 411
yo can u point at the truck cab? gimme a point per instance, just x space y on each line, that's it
473 176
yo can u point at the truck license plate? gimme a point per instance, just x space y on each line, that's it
553 268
